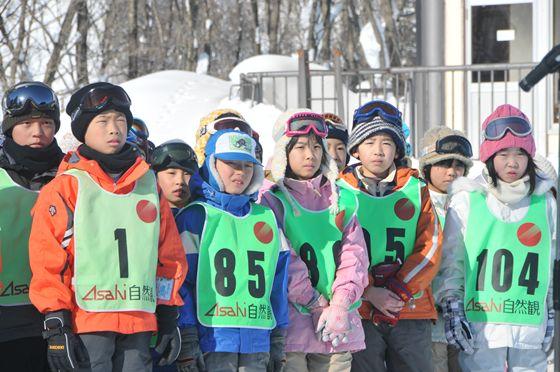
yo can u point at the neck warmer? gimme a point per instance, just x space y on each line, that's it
34 160
111 163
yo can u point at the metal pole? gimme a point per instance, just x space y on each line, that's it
304 86
430 15
338 83
556 271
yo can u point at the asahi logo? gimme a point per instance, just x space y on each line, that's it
13 290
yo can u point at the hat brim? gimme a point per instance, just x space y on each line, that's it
236 156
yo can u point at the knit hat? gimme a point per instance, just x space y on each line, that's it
490 147
336 127
279 160
377 125
232 145
81 121
9 121
429 156
203 132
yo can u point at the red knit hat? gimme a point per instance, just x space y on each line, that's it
489 147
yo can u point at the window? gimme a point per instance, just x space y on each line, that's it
501 34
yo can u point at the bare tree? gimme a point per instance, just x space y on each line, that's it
63 36
132 38
81 45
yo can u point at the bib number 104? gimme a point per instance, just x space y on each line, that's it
502 271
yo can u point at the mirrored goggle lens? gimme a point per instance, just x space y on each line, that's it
383 106
17 99
497 128
98 97
301 125
454 145
177 152
233 123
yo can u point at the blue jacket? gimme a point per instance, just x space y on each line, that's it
190 222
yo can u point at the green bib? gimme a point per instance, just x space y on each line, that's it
389 222
507 265
236 267
16 203
320 252
115 246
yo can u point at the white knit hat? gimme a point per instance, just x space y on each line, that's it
279 160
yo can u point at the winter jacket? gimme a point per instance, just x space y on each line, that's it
25 320
190 222
51 247
450 283
420 267
351 275
439 202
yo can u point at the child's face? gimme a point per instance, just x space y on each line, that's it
510 164
337 151
35 133
107 132
174 183
235 175
377 154
305 157
443 173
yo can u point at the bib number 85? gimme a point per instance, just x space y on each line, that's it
225 281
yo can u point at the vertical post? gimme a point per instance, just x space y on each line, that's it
337 54
430 39
304 79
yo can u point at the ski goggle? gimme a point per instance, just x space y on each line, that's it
137 137
333 119
228 122
451 145
496 129
17 100
175 153
302 123
99 97
383 109
141 132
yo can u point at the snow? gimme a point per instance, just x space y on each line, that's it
370 46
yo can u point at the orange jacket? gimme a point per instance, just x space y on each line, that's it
51 249
419 269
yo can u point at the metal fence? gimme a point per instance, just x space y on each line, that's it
465 95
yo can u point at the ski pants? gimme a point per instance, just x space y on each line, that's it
494 360
116 352
315 362
232 362
406 347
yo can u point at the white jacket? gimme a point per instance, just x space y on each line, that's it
450 281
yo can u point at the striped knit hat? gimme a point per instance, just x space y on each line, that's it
377 125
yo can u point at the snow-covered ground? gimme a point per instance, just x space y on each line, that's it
173 102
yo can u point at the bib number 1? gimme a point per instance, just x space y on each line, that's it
120 237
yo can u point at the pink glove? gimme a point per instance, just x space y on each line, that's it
316 308
334 324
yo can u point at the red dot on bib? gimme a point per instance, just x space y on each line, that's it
529 234
404 209
147 211
339 220
263 232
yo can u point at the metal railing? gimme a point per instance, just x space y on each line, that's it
470 93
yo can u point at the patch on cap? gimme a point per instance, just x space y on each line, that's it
240 143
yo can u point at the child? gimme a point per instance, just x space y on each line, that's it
403 236
218 120
138 136
236 291
445 157
104 250
495 289
328 264
337 140
28 160
174 163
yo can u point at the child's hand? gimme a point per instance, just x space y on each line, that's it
384 300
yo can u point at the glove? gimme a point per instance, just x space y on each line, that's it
190 358
277 361
334 324
65 351
378 318
384 276
457 329
168 342
548 335
316 307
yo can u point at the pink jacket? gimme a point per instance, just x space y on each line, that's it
351 276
